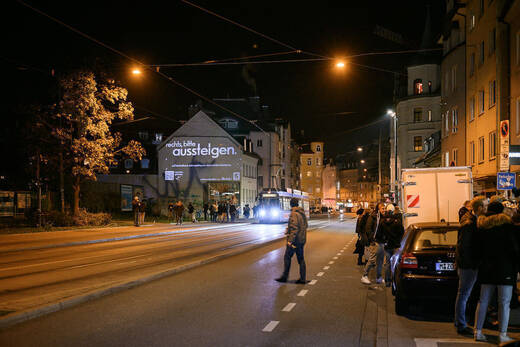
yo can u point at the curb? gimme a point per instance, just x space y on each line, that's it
22 316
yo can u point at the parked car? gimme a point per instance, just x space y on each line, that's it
424 267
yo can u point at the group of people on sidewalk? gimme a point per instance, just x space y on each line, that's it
488 253
379 235
221 212
139 210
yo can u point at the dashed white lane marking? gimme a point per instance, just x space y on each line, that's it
435 342
289 307
302 292
331 262
335 258
313 282
319 274
326 267
270 326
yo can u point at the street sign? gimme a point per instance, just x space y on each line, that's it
514 155
505 180
504 145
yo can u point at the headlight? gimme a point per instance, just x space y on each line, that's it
275 213
262 213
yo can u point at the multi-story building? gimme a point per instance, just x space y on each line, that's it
418 109
453 90
311 168
513 19
355 190
330 186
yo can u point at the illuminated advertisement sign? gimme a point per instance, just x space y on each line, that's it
189 148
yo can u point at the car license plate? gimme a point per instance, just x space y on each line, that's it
444 266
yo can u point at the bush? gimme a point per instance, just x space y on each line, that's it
84 218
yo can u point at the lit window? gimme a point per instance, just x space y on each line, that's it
158 138
318 148
472 108
492 145
317 161
309 161
472 152
492 93
417 143
454 120
418 86
480 102
472 21
417 115
129 163
145 163
429 115
481 152
309 173
318 190
455 157
447 159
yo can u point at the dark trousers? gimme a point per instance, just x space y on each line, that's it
289 252
136 218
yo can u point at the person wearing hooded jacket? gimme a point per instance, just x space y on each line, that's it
375 237
498 267
394 231
296 238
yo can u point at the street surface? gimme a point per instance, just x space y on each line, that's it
230 302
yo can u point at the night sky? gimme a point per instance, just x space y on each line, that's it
158 32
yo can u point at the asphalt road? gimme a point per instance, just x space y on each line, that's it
236 302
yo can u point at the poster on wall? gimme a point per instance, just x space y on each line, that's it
139 191
126 198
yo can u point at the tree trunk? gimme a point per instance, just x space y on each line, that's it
62 184
76 187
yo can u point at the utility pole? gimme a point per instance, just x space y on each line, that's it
379 190
38 183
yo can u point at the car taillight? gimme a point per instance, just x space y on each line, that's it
408 261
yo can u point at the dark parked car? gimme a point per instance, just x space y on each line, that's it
424 266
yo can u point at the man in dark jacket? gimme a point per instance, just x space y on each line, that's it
136 204
394 231
500 256
464 209
466 260
360 227
376 244
296 238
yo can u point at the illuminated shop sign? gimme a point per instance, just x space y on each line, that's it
191 148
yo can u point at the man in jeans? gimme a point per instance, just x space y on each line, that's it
466 260
376 244
393 227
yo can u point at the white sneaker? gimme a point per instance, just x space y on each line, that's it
380 280
504 338
365 280
479 336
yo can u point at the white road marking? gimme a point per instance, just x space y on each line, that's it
270 326
302 292
319 274
420 342
331 262
326 267
289 307
313 282
335 258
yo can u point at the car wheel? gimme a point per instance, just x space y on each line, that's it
401 305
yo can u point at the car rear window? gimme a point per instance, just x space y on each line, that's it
435 239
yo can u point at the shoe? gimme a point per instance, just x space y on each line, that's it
465 330
478 336
281 279
365 280
300 281
388 283
502 338
380 280
360 263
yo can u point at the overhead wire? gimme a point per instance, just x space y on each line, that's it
171 79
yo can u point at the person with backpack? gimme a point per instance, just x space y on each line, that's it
296 238
361 243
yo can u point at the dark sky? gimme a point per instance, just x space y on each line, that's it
173 32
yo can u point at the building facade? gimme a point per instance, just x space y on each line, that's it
311 169
330 186
513 19
453 91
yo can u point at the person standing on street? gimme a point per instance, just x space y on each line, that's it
296 238
247 211
179 210
499 251
135 208
191 212
232 212
205 208
466 261
376 244
171 209
362 216
394 230
464 209
142 212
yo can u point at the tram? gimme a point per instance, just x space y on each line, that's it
274 205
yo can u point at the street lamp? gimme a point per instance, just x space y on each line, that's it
360 149
362 161
340 64
393 115
136 71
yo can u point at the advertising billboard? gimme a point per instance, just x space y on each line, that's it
126 197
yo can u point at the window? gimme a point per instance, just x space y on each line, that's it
318 189
228 123
143 135
518 48
472 108
309 173
446 82
417 115
145 163
158 138
318 174
309 190
417 143
442 128
492 145
472 21
429 115
129 163
418 86
492 40
481 8
317 161
472 64
492 93
482 53
447 121
481 153
260 181
453 78
258 143
318 148
454 120
447 158
309 161
455 157
430 87
472 152
480 102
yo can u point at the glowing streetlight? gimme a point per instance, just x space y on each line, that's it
362 161
340 64
360 149
390 113
136 71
